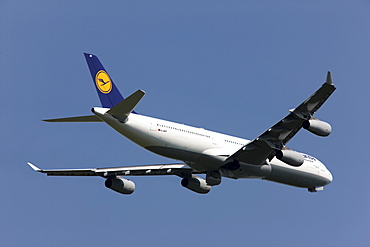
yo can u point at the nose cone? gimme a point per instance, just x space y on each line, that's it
328 177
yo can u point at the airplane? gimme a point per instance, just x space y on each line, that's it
200 151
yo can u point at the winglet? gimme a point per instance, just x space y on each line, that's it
329 79
34 167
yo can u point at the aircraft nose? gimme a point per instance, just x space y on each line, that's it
328 176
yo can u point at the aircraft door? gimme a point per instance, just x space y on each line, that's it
214 140
153 127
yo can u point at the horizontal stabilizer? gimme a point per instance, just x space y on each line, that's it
126 106
90 118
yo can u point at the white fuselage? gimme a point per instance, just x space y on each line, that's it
205 150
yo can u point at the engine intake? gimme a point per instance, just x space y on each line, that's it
120 185
290 157
196 184
317 127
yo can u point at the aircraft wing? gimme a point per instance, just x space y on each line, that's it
181 170
265 146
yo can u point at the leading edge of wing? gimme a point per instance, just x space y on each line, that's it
161 169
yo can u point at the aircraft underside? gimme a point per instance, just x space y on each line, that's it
201 151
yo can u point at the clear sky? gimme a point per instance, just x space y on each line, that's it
232 66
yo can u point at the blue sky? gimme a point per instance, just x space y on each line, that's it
230 66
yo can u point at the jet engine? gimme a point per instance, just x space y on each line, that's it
317 127
120 185
290 157
196 184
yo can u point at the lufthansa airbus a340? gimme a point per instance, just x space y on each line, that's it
201 151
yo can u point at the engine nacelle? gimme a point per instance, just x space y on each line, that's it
290 157
120 185
196 184
317 127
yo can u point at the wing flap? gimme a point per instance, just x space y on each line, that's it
165 169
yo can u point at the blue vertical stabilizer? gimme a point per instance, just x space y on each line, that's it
108 93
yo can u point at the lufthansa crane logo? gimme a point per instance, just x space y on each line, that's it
103 82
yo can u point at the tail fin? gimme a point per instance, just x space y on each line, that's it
107 91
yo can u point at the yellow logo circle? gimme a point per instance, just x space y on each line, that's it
103 82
